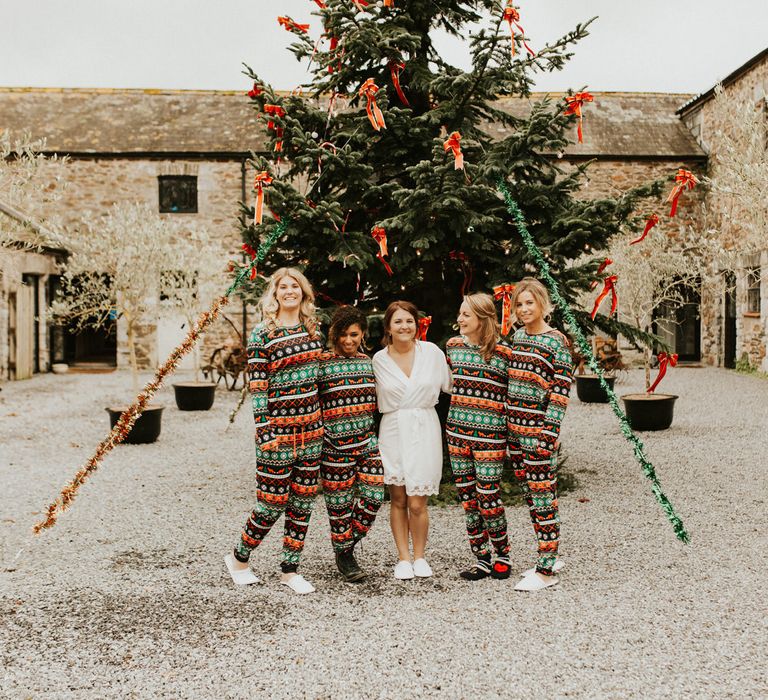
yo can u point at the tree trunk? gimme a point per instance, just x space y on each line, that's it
196 359
132 355
646 361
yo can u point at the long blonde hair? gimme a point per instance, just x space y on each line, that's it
269 308
483 307
538 292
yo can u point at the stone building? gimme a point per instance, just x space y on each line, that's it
735 304
186 153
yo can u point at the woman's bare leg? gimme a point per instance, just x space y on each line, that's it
418 519
398 521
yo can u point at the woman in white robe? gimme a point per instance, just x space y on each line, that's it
409 377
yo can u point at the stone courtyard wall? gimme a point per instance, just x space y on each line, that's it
95 184
707 122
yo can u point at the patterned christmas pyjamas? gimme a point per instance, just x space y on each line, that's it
282 372
476 431
351 471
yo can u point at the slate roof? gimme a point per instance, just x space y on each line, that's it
109 121
85 121
627 125
699 99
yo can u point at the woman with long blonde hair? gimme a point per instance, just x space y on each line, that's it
283 354
539 384
476 432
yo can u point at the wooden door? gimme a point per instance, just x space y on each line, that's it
23 332
729 322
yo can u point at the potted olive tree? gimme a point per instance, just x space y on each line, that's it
653 277
113 276
588 386
187 289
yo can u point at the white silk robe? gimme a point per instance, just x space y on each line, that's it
410 439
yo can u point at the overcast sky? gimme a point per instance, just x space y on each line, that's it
655 45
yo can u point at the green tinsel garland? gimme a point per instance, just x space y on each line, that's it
264 247
637 446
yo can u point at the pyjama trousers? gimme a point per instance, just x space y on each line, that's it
537 476
286 482
477 474
353 487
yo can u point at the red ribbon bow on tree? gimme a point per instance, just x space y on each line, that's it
320 4
395 68
262 180
600 271
368 90
466 268
424 323
275 111
251 252
684 180
574 105
664 360
513 17
504 292
291 26
255 91
453 144
609 287
650 222
380 236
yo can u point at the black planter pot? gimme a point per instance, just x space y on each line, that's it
146 428
588 388
649 411
194 396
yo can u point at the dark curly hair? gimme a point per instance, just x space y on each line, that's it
343 318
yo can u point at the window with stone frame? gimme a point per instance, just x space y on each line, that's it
178 194
753 290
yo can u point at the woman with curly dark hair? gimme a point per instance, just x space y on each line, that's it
351 472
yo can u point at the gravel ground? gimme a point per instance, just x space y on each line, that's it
128 597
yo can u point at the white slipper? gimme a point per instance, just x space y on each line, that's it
404 570
298 584
558 566
421 568
241 577
535 582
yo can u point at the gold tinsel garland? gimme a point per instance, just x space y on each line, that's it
129 417
131 414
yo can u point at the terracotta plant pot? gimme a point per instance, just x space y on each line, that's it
588 388
145 430
649 411
194 396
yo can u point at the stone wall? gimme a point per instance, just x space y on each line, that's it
611 178
95 184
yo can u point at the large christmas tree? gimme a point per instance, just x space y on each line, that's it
352 164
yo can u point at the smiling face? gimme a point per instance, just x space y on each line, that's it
350 340
527 309
402 326
469 323
288 294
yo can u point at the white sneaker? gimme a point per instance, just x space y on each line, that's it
421 568
403 570
535 582
298 584
558 566
241 577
